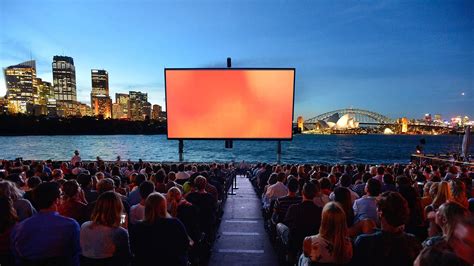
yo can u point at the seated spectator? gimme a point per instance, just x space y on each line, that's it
205 204
134 195
159 237
388 183
332 244
85 181
137 211
119 187
275 191
171 182
346 182
182 209
326 186
181 176
343 197
366 207
103 240
303 220
23 207
73 204
32 184
438 254
446 217
360 188
283 203
46 238
105 185
57 174
77 169
159 180
320 199
426 199
391 245
458 190
8 220
462 240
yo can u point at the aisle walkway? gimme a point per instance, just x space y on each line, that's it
242 239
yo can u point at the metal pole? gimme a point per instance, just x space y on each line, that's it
180 150
279 151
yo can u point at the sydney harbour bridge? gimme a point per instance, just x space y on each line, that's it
354 119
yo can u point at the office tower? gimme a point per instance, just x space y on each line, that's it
121 109
101 104
136 103
20 82
156 113
64 83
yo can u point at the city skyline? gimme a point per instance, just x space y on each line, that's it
399 59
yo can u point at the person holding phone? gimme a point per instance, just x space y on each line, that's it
104 240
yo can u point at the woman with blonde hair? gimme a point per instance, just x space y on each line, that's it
332 244
446 217
443 195
159 236
103 240
182 209
22 206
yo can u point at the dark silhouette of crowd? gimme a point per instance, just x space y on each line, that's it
110 213
368 215
142 213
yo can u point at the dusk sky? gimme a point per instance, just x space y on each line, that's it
396 58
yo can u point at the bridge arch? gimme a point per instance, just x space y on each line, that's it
360 115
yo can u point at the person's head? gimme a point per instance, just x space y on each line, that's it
388 179
155 208
76 152
173 198
47 195
139 179
380 170
366 177
108 209
57 174
462 240
334 228
293 185
99 175
10 190
281 177
145 189
7 214
171 176
443 195
438 254
325 184
104 185
200 183
447 215
458 190
373 187
84 180
309 191
392 209
33 182
345 180
70 189
426 188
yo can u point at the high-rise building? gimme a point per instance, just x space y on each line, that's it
136 103
3 106
101 103
146 110
428 118
20 82
437 117
156 113
44 91
120 111
64 83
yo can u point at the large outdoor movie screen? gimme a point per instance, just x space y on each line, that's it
229 103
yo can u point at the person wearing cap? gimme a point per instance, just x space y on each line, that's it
76 158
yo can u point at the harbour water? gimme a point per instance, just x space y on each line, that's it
303 148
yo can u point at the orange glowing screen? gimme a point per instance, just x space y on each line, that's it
229 103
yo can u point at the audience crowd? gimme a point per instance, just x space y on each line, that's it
109 213
368 215
140 213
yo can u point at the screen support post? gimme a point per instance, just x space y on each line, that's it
181 149
228 143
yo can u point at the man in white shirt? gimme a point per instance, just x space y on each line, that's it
275 191
137 211
181 174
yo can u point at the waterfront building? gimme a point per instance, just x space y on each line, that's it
51 107
20 80
404 125
437 118
64 84
120 111
428 118
300 122
137 100
156 113
3 106
101 103
146 110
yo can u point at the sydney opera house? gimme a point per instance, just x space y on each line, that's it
338 123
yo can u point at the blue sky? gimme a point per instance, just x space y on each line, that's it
396 58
